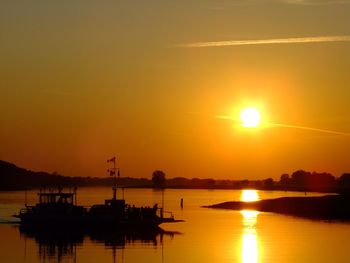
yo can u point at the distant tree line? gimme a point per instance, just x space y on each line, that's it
15 178
298 181
312 181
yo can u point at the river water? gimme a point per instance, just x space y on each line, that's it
207 235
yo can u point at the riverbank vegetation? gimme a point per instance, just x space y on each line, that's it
16 178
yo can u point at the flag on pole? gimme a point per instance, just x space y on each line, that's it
111 160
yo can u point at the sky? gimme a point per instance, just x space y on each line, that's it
82 81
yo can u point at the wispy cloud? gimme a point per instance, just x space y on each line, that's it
295 40
309 129
220 6
316 2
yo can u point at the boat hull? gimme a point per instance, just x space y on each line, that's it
89 221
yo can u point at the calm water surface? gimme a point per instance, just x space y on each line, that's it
207 235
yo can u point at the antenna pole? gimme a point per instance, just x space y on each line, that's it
112 172
162 211
115 181
25 198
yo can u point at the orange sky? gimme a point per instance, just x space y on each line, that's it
82 81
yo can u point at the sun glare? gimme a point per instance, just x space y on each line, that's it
250 117
250 245
249 195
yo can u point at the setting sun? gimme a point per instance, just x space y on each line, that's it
250 117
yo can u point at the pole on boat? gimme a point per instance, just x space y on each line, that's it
162 210
112 172
25 198
75 195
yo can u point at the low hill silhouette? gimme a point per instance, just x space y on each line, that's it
16 178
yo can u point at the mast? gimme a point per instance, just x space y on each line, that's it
112 172
25 198
162 210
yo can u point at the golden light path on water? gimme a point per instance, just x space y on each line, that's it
250 245
249 195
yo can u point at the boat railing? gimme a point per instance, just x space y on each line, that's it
87 208
171 215
163 213
27 210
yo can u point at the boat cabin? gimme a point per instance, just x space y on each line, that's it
57 198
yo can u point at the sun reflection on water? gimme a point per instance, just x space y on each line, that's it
250 248
249 195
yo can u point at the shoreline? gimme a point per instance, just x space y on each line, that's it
328 207
324 191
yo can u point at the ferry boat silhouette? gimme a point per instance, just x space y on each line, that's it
61 209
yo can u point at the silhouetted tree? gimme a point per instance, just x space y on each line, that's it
210 183
312 181
284 180
158 179
268 183
244 183
344 182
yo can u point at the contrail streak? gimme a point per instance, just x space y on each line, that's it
309 128
295 40
225 117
